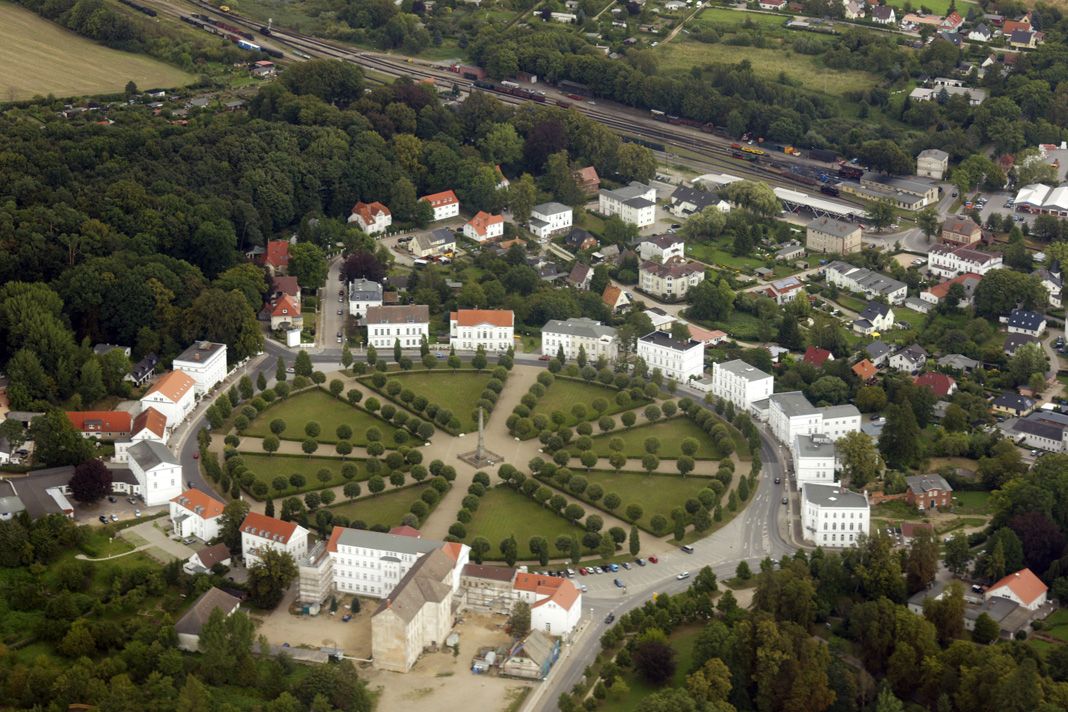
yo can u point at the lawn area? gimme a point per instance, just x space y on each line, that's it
267 467
741 325
722 19
504 512
974 503
671 433
329 412
565 392
682 641
456 390
716 254
910 317
680 55
1057 625
386 509
896 509
41 58
657 494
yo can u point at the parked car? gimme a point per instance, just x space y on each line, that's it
619 583
583 587
103 519
785 500
583 571
189 540
683 575
137 512
544 357
777 480
613 567
640 562
340 312
625 565
114 517
654 560
111 498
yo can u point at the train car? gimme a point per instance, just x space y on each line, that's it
754 151
273 53
566 85
563 104
708 128
265 31
642 142
823 155
744 156
483 84
847 171
510 85
830 190
245 44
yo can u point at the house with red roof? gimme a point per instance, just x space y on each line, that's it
817 356
150 424
588 180
444 204
372 218
260 532
101 424
951 22
484 227
196 513
555 603
276 258
615 298
865 370
286 310
492 329
940 384
1022 588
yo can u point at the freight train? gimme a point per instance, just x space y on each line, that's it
749 149
512 89
657 115
223 26
241 39
140 8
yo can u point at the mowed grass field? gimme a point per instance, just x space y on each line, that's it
39 57
329 412
387 509
565 393
671 433
456 390
657 494
503 512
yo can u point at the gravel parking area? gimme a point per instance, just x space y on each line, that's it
324 630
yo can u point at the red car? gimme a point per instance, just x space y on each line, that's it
196 455
654 560
583 571
544 357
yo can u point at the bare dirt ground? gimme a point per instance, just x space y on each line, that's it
447 679
904 259
324 630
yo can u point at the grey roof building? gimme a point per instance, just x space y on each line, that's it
364 290
150 453
814 446
877 351
380 541
833 496
200 351
741 369
793 403
958 361
631 195
188 627
422 584
1013 342
661 338
1014 402
919 484
580 326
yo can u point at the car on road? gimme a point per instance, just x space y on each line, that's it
340 312
785 500
654 560
619 583
196 455
189 540
131 500
583 587
609 618
687 549
683 575
290 369
544 357
598 570
777 480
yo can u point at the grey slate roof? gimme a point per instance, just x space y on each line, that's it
1044 425
550 208
877 349
701 199
793 403
833 496
934 153
149 453
422 584
743 370
1015 341
1023 319
914 353
814 446
628 192
958 361
840 411
874 310
1014 401
919 484
195 618
367 539
579 327
661 338
364 290
830 226
199 351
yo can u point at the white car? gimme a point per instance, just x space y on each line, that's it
683 575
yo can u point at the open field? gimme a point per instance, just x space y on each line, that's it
972 503
458 391
680 55
329 412
715 253
386 509
657 494
503 512
41 58
266 468
722 19
564 393
670 432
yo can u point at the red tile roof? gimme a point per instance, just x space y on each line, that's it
816 356
865 370
368 211
476 317
939 383
611 295
483 220
286 285
191 499
100 421
942 289
445 197
277 254
453 549
173 385
150 419
286 306
270 528
558 590
335 534
1023 583
405 530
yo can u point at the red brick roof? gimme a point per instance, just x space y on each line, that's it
476 317
1023 583
558 590
405 530
286 285
816 356
270 528
335 534
191 499
483 220
277 253
173 385
445 197
611 295
941 290
100 421
961 226
286 306
150 419
453 549
939 383
368 211
865 370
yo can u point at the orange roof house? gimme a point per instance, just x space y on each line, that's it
1023 587
865 370
172 385
286 308
101 422
477 317
369 211
152 420
266 527
588 180
938 383
817 356
558 590
277 256
614 297
200 503
482 224
437 200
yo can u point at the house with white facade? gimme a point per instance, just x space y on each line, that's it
574 335
157 470
173 395
672 280
863 281
741 384
634 204
484 227
437 242
791 415
410 323
967 281
1053 282
678 360
260 532
1023 321
950 261
196 513
286 313
911 359
832 516
372 218
150 424
661 248
364 294
492 329
555 603
548 219
815 460
932 163
687 201
444 204
1044 430
876 317
205 363
1022 588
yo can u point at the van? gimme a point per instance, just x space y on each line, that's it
420 262
570 573
687 548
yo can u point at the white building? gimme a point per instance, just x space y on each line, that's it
932 163
364 294
661 248
832 516
1022 321
444 204
911 359
948 261
484 227
1022 588
372 218
555 603
493 329
687 201
205 363
1043 430
680 360
741 384
790 415
437 242
548 219
581 333
634 204
409 323
157 470
672 280
172 395
196 513
815 460
260 532
876 317
864 281
1053 283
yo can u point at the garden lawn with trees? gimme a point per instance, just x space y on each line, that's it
637 688
564 393
386 509
503 512
655 494
266 468
320 407
456 390
670 433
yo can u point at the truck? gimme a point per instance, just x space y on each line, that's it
791 151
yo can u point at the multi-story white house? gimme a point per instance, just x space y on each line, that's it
364 294
1053 282
484 227
911 359
741 384
571 335
832 516
671 280
410 323
815 460
157 470
555 603
680 360
950 260
260 532
661 248
634 204
875 317
548 219
863 280
205 363
790 415
172 395
150 424
444 204
196 513
372 218
493 329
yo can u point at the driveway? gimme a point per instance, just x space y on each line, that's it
153 534
331 322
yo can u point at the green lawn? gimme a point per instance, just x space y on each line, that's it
456 390
716 254
564 393
972 503
671 433
387 509
910 317
896 509
741 325
657 494
329 412
503 512
682 641
722 19
1057 625
267 467
852 303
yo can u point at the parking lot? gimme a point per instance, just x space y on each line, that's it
114 508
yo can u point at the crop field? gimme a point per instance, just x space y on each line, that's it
38 57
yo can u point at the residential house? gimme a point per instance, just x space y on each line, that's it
1013 404
150 424
555 602
578 240
832 516
1023 321
928 492
172 394
157 471
372 218
968 282
784 290
580 276
772 4
615 298
671 280
911 359
950 261
104 349
484 227
1045 430
445 205
918 305
853 10
576 334
940 384
790 251
363 295
634 204
883 15
661 248
609 254
205 363
548 219
815 460
865 370
741 384
276 256
207 558
1052 281
189 626
533 657
709 337
687 201
958 362
979 33
196 513
142 370
283 284
492 329
951 22
1022 588
932 163
260 532
878 352
862 280
678 360
410 324
1014 342
285 312
817 356
502 180
1023 39
960 232
588 181
790 414
1010 26
436 243
102 424
875 317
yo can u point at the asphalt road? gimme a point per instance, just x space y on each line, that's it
330 322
